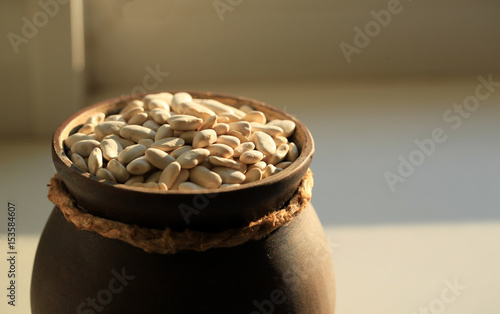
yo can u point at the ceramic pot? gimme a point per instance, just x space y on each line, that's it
289 271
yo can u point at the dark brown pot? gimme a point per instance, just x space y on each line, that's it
289 271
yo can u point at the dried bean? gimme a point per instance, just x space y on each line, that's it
205 178
118 171
84 147
105 174
204 138
139 166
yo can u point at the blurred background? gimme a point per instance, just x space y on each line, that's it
402 99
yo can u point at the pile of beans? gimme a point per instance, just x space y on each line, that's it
175 142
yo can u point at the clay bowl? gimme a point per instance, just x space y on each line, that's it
229 208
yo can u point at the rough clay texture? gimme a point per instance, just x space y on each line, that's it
170 242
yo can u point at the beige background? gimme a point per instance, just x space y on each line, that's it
280 40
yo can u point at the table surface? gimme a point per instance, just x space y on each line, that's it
431 244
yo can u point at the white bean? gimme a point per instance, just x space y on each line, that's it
278 155
115 117
95 160
124 142
178 99
154 177
182 177
283 164
229 140
158 104
138 119
110 148
165 97
221 128
134 179
87 129
224 120
221 150
280 140
164 131
272 130
293 152
246 108
188 136
231 117
146 142
127 115
255 116
79 162
209 123
150 124
105 174
204 177
195 109
269 171
147 185
96 118
229 175
251 156
133 104
243 147
288 126
179 151
168 144
238 135
216 106
229 185
169 174
253 175
264 143
108 127
72 139
84 147
224 162
139 166
130 153
260 165
184 122
204 138
118 171
159 115
192 158
244 127
205 163
190 186
158 158
136 133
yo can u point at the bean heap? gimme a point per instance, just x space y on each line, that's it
175 142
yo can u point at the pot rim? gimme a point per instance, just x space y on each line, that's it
68 127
